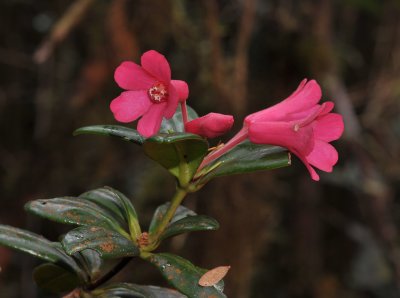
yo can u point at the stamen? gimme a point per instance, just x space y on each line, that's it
310 118
158 93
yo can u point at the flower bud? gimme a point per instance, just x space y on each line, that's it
211 125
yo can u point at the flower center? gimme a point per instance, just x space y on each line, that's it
158 93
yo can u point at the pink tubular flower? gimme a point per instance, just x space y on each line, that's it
211 125
151 93
298 123
303 126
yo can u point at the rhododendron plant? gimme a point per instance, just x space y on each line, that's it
110 234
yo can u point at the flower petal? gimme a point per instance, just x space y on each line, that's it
324 156
326 107
282 134
299 88
150 123
313 173
182 88
130 105
131 76
156 64
304 98
329 127
172 103
303 116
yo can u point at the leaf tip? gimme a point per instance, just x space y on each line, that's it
78 131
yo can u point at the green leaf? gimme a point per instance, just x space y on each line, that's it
107 200
70 210
183 275
29 242
122 132
184 220
36 246
246 157
127 290
107 243
175 124
180 153
92 262
55 279
190 224
116 203
159 214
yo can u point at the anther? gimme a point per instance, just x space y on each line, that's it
158 93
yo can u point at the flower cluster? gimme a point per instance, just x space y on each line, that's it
298 123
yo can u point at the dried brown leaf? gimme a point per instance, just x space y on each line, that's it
213 276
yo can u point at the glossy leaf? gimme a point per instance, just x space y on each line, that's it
175 124
34 245
183 275
92 261
159 214
180 153
122 132
55 279
127 290
107 243
190 224
116 203
107 200
69 210
246 157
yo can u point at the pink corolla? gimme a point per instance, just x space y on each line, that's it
211 125
151 94
298 123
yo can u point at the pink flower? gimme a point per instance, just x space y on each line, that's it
151 93
302 125
298 123
211 125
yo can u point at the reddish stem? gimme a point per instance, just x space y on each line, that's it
184 114
237 139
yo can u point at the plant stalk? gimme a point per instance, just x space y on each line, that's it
175 202
110 274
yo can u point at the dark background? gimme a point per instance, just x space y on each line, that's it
283 234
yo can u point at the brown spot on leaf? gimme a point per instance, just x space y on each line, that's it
213 276
107 246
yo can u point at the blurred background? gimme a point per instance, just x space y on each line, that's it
283 234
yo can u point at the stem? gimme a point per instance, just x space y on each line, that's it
237 139
175 202
134 228
184 114
110 274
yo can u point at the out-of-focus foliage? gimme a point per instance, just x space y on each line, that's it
283 235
